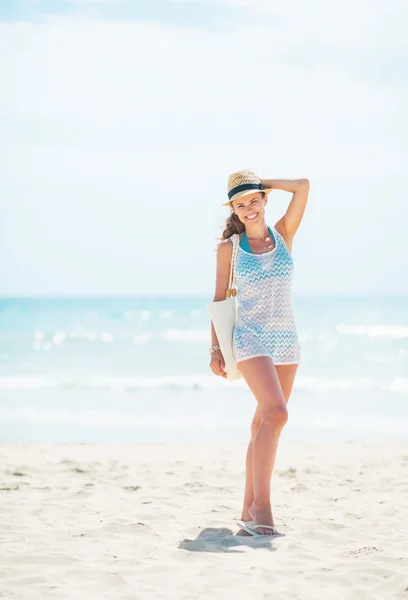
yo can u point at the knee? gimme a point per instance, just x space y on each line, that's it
276 416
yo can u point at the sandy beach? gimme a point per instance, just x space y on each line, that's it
158 521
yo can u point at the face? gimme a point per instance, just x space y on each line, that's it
251 208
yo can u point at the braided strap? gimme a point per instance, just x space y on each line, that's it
231 291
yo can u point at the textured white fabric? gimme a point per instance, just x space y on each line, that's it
265 324
223 315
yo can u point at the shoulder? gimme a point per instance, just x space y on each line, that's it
224 249
280 228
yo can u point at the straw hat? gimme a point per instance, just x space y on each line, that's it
242 183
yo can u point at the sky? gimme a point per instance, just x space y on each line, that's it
120 121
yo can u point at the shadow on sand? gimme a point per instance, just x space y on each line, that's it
212 539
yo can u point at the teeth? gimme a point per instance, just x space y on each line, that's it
252 217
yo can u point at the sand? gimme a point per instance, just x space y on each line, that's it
143 521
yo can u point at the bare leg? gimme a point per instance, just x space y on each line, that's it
286 374
272 387
249 481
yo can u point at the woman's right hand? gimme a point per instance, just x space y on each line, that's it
217 364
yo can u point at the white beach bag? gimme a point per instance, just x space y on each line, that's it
223 316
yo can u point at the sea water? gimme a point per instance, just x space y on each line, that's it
137 369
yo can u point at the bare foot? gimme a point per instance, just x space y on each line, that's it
264 516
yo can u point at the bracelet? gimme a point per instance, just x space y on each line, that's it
214 349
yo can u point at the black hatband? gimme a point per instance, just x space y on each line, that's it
243 187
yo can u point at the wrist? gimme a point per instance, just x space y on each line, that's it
215 348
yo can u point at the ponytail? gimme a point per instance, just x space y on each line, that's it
233 225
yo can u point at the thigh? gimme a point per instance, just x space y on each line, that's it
262 378
286 374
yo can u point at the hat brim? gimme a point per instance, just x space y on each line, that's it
245 193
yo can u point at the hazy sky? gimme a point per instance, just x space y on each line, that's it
120 121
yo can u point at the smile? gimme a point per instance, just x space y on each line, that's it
252 217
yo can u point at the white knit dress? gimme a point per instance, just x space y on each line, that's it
265 324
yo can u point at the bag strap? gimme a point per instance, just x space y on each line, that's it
231 291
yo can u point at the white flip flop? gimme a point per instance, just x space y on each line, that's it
251 527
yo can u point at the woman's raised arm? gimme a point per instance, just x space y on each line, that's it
294 213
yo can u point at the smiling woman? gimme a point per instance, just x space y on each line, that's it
244 189
265 340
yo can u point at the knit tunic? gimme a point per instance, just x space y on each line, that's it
265 323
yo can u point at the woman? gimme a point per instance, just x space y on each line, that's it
265 340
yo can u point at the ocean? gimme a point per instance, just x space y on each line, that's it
137 369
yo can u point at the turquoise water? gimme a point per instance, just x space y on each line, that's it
112 369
